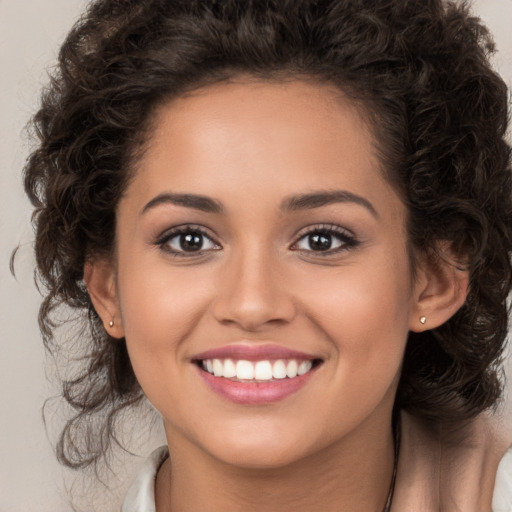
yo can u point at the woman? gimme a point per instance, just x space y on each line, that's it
288 224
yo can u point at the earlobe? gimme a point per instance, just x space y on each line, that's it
440 290
99 277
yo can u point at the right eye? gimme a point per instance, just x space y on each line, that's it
187 240
325 240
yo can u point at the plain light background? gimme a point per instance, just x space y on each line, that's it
30 478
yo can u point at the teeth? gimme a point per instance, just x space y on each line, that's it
304 367
279 370
259 370
244 370
291 369
263 370
218 368
229 369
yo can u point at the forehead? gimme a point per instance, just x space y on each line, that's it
268 123
272 98
251 145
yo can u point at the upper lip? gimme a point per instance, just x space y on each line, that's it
253 352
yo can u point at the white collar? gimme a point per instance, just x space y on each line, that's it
141 493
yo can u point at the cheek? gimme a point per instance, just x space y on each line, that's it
157 297
160 311
159 308
366 320
364 310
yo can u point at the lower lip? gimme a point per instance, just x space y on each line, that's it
255 393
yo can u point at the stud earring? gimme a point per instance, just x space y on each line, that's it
423 319
111 323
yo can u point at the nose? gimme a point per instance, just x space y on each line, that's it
253 293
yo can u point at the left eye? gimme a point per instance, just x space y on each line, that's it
323 241
189 241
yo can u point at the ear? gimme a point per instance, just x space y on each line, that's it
440 289
99 277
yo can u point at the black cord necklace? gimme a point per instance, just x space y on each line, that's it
389 501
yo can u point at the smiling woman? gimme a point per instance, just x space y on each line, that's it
271 287
289 226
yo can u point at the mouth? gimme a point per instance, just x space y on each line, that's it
255 374
257 371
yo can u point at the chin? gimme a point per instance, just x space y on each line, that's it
261 458
261 449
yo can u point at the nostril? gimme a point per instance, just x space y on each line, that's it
252 316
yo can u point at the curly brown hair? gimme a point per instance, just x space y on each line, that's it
438 110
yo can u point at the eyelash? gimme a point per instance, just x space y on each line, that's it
345 238
164 240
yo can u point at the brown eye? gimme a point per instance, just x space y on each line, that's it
320 241
190 242
187 240
325 239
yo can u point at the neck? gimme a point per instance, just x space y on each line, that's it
448 470
354 474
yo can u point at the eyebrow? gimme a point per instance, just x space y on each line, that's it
196 202
324 198
294 203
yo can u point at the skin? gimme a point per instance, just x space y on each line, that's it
250 146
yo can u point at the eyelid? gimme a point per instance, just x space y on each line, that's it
323 226
347 237
170 233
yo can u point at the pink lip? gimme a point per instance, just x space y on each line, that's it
252 352
252 392
255 393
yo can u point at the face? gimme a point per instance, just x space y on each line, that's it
262 279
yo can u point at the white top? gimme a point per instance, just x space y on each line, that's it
141 494
502 500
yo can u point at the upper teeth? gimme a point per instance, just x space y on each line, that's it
256 370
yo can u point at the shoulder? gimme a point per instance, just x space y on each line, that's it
502 499
141 493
